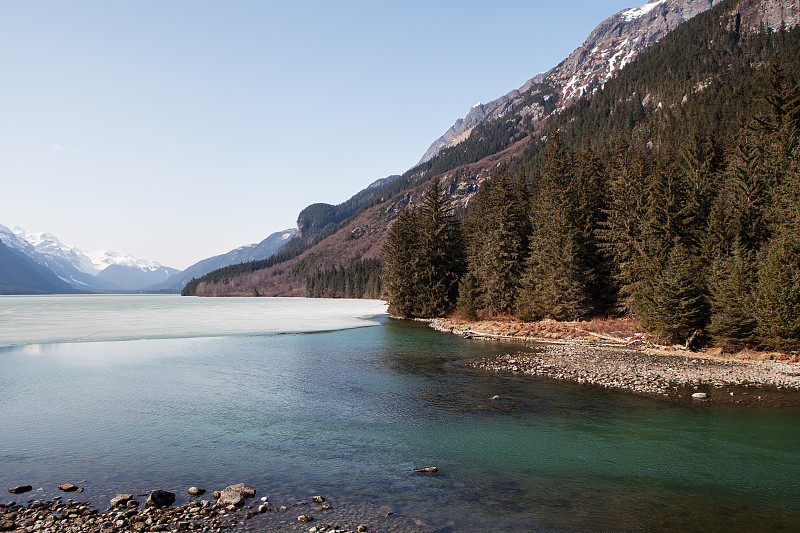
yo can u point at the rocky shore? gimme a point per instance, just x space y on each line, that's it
235 508
677 375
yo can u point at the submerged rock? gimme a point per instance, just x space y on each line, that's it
428 470
699 396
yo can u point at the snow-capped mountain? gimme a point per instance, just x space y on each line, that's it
100 270
612 45
19 274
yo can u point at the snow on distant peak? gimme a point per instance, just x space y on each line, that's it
287 235
477 105
88 262
103 259
633 14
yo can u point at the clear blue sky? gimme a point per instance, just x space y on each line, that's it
177 130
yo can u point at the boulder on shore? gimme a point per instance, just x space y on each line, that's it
159 499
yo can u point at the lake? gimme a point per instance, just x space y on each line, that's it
296 397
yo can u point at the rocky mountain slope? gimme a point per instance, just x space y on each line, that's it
495 133
19 274
611 46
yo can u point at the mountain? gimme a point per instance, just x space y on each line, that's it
93 271
19 274
243 254
611 46
49 252
602 92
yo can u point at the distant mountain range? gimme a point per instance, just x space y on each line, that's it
41 263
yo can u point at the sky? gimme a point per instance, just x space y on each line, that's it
179 130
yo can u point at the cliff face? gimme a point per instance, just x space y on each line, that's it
774 14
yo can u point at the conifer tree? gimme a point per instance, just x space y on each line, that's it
400 260
441 254
621 233
732 298
562 266
497 230
778 296
676 305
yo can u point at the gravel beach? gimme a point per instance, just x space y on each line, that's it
678 375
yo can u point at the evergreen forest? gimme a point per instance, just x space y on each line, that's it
671 195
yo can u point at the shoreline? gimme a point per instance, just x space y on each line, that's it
236 508
634 365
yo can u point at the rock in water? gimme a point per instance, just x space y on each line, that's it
317 499
20 489
428 470
305 518
235 495
69 487
699 396
120 500
246 491
160 498
196 491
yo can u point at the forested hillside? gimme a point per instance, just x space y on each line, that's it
669 194
672 195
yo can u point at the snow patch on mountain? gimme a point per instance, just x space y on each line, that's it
635 13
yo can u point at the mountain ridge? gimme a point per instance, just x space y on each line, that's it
609 47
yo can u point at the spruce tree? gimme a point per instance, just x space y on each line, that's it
731 286
778 296
674 304
400 260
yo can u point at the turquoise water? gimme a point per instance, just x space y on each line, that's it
351 412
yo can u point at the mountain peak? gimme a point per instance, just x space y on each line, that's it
635 13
